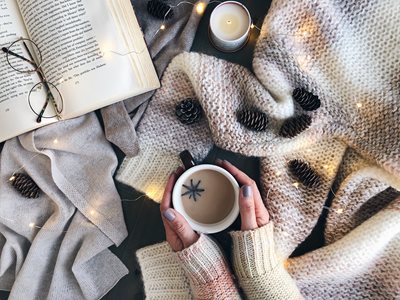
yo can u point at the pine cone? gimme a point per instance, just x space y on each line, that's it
253 119
25 185
306 100
160 10
189 111
304 173
294 126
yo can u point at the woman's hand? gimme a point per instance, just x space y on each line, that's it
178 232
253 212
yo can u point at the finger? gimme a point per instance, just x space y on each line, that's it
179 171
181 227
243 179
262 214
166 199
247 208
240 176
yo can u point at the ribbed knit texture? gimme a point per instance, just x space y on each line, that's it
208 271
259 272
347 53
163 276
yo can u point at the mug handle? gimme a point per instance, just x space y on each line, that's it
187 159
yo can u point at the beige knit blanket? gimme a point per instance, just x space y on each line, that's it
347 53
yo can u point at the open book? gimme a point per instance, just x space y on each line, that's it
91 51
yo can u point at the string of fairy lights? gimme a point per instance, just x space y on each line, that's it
31 225
200 8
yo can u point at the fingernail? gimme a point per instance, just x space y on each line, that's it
247 191
169 214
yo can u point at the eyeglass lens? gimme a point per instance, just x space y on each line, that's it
45 100
19 56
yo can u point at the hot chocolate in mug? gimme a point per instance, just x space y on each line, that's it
206 195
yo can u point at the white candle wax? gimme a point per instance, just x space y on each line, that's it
230 26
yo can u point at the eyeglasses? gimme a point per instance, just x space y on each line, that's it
20 58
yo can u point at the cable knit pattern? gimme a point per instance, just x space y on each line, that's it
347 53
259 272
208 271
163 276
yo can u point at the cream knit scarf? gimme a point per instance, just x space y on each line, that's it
347 53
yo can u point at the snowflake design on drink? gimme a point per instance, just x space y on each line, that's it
193 190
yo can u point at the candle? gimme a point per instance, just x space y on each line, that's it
230 25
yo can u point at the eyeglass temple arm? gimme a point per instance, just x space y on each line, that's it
49 95
48 99
5 50
40 115
32 62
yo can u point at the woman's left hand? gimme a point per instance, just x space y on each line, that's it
178 232
253 212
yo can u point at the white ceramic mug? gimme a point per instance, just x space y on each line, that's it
177 197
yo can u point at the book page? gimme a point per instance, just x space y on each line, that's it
83 52
16 117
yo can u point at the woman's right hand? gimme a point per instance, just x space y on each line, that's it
178 232
253 213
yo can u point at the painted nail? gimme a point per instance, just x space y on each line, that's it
247 191
169 214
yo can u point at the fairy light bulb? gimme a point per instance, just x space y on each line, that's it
200 8
162 27
31 225
359 105
296 185
339 211
252 26
12 178
55 141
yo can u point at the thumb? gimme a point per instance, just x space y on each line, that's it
181 227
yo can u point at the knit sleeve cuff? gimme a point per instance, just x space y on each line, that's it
163 276
259 272
254 251
208 271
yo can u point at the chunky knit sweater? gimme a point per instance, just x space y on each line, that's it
346 53
201 271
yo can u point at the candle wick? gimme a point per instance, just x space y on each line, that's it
229 21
